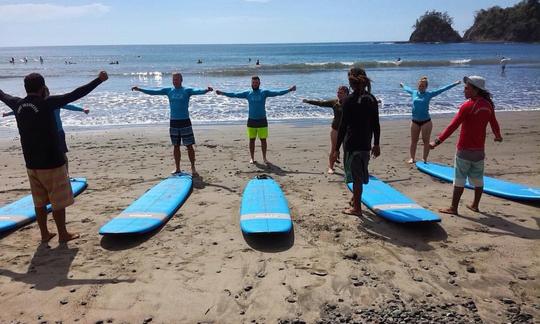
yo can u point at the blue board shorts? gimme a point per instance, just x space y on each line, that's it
182 135
474 170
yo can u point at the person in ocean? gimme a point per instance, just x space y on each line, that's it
473 116
335 104
180 130
257 124
421 120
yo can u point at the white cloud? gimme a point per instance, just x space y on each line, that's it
32 12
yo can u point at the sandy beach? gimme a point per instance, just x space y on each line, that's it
199 268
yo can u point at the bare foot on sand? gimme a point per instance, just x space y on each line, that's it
449 210
48 238
252 161
176 171
266 161
69 237
194 173
352 211
410 161
330 171
474 209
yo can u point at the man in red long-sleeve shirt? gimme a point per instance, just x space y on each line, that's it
473 116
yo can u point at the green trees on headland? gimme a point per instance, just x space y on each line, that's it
520 23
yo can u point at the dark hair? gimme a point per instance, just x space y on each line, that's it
255 77
486 95
33 82
344 88
358 79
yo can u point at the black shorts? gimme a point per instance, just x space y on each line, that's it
421 122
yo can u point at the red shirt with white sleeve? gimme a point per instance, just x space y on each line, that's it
473 116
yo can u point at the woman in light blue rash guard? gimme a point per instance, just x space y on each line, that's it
421 121
257 124
61 134
180 129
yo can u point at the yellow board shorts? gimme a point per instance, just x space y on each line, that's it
51 186
261 132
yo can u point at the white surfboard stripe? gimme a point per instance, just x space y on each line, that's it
13 218
265 216
396 206
160 216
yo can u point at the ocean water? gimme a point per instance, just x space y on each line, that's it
316 69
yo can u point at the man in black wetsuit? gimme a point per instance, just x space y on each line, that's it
359 125
45 163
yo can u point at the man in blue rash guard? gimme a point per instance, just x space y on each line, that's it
257 125
180 129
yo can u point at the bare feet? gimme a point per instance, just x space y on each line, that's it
252 161
410 161
330 171
69 237
352 211
474 209
48 238
194 172
450 210
266 161
175 171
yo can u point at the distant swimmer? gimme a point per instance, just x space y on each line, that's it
257 63
199 61
25 60
398 61
504 61
41 60
249 59
114 62
12 61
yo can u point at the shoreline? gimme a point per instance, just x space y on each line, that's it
298 122
199 268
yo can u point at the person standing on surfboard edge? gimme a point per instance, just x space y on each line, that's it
180 129
257 124
45 162
421 121
359 125
473 116
335 104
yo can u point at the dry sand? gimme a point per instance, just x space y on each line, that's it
200 268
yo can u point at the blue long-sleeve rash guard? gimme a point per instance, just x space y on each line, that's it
178 99
420 110
256 100
59 126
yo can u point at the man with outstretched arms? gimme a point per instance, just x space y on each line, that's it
45 161
180 129
257 124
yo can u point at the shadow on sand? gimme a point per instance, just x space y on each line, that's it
270 242
49 268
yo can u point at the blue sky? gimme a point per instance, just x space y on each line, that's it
79 22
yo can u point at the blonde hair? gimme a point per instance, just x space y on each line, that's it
424 79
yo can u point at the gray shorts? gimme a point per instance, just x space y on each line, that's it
356 166
182 135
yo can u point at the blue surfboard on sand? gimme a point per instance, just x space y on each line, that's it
22 211
264 208
153 209
391 204
492 186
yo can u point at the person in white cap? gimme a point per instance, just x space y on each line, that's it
473 116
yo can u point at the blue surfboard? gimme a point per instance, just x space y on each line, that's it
492 186
391 204
264 208
153 209
22 211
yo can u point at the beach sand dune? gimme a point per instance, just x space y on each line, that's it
199 268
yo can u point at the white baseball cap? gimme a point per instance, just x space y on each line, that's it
476 81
